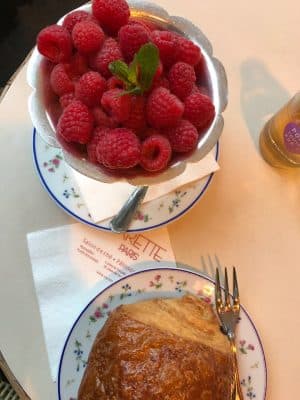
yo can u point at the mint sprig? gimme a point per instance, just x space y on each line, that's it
138 75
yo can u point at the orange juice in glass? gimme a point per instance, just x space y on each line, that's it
280 138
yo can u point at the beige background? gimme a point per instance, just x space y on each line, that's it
250 215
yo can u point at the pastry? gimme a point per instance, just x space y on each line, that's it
160 349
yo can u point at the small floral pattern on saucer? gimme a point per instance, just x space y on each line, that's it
62 188
156 282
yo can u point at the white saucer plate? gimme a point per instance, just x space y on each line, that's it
56 178
146 284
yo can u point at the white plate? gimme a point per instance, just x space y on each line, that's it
157 282
62 188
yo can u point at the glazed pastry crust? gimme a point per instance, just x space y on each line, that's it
162 349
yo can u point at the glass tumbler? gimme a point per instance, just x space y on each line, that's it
280 138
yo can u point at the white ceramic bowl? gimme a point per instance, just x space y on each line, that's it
216 84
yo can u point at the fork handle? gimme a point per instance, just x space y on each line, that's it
238 389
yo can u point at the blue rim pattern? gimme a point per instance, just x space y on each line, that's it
140 272
71 213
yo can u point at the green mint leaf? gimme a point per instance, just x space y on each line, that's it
120 70
147 59
136 90
133 71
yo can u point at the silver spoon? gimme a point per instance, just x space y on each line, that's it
123 218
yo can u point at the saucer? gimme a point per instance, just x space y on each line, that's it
60 184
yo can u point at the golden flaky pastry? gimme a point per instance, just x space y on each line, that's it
161 349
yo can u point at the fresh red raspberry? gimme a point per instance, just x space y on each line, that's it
114 83
109 52
75 123
88 37
187 51
77 66
54 42
120 148
156 153
183 137
131 38
102 119
111 14
90 88
91 147
60 81
151 26
200 69
137 116
167 43
161 82
67 99
76 16
149 132
200 89
116 104
158 75
182 78
163 108
195 89
198 109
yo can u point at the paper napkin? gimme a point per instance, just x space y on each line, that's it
72 264
104 200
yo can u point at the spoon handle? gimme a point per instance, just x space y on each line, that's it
123 218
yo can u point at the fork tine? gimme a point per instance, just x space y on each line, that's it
236 296
226 289
218 293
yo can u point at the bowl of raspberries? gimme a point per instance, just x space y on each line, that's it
127 91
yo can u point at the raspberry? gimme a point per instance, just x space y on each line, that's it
157 79
60 81
77 66
111 14
144 22
66 99
110 52
119 148
90 88
114 83
195 89
161 82
200 69
198 109
182 78
91 147
116 104
137 117
187 51
156 153
102 119
87 37
149 132
163 108
183 137
200 89
74 17
167 43
75 123
54 42
131 38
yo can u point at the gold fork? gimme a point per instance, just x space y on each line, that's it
228 310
